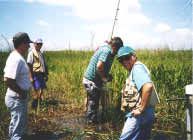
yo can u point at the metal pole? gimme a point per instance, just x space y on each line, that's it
115 19
188 123
192 116
189 112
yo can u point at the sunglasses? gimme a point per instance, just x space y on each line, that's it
125 57
39 44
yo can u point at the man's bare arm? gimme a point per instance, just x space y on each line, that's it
11 83
100 67
145 99
31 71
146 94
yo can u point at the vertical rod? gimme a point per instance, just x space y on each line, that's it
6 41
191 107
188 122
115 19
189 113
192 118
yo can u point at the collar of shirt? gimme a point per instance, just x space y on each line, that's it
110 49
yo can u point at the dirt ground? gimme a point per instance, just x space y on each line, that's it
66 121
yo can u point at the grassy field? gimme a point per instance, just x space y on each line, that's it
171 72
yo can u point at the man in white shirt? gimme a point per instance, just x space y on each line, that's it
16 77
38 72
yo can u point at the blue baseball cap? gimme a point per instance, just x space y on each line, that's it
125 50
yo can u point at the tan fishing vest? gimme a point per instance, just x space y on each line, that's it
37 63
131 98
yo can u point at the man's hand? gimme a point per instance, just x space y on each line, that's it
135 112
46 78
23 94
105 80
110 77
31 80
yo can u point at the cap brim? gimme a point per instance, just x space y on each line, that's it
30 41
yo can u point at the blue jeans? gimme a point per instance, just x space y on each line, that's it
18 110
139 127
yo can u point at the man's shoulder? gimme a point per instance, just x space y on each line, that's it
105 49
15 56
138 65
139 68
14 59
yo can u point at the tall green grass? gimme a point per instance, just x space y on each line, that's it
3 110
171 72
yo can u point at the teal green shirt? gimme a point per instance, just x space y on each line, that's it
104 54
140 76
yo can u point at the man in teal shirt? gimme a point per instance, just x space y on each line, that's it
97 74
139 97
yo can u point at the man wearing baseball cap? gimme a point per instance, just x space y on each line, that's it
16 77
38 72
138 100
97 75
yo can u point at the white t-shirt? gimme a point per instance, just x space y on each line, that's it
17 68
30 59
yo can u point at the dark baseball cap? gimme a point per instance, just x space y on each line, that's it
21 37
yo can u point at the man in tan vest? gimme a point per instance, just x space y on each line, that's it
38 72
139 97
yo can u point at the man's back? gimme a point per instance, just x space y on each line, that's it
103 54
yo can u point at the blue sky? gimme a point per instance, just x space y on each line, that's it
86 24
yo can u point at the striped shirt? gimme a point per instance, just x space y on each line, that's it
104 54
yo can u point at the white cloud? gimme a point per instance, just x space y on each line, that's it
132 25
100 31
29 0
100 9
180 38
42 23
103 12
183 32
95 9
53 2
133 19
128 20
162 28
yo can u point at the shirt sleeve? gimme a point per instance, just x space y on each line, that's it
104 55
12 68
140 76
30 57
